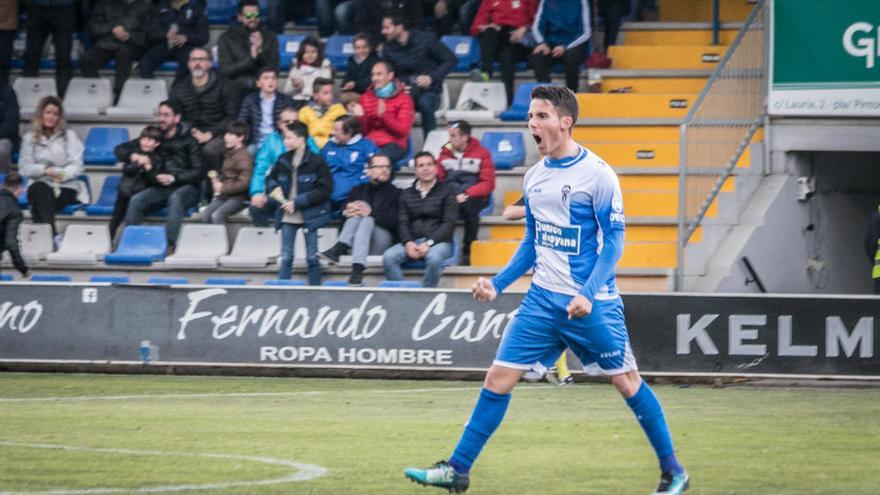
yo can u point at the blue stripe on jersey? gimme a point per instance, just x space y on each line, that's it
565 161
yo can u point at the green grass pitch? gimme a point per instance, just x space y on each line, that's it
142 432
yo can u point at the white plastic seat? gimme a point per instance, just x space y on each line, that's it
88 96
255 247
35 240
434 141
326 239
479 101
199 246
140 97
30 90
83 244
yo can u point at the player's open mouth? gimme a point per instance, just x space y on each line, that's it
537 139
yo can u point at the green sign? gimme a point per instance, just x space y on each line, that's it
825 57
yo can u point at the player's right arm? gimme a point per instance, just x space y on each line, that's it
523 259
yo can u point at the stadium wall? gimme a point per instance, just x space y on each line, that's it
325 331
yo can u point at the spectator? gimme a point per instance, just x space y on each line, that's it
10 219
56 18
421 61
176 27
502 25
262 109
140 163
371 213
245 49
467 166
360 65
386 113
445 14
344 16
368 15
177 181
118 32
308 66
328 20
9 138
872 246
262 207
347 155
207 105
230 186
612 13
426 224
321 112
8 30
301 183
561 31
52 157
278 12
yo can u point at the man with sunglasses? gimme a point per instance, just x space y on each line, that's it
246 48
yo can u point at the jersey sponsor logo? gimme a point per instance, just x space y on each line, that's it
565 239
617 210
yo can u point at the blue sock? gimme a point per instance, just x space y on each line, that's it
485 419
649 412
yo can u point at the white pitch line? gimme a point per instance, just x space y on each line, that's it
303 472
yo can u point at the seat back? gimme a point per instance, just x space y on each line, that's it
287 283
30 90
508 149
434 141
466 50
225 281
167 281
400 284
45 277
88 96
288 44
141 96
100 143
519 109
109 279
108 191
86 239
220 11
202 241
143 240
35 240
257 241
338 49
482 96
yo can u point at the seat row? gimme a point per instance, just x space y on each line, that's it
117 279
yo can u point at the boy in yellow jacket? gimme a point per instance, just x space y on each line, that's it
321 112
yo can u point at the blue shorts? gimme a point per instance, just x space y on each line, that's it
542 330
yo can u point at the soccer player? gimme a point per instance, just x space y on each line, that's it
574 238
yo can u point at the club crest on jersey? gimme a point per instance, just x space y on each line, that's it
566 190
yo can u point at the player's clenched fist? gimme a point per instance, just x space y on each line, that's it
578 307
483 290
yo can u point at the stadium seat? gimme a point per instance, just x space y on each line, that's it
285 283
5 277
100 144
490 207
288 44
45 277
35 240
466 50
255 247
30 90
220 11
82 245
140 98
335 283
199 246
167 281
435 141
420 264
140 245
374 260
508 149
71 209
519 109
87 97
225 281
338 49
109 279
441 110
479 101
105 202
326 240
400 284
405 161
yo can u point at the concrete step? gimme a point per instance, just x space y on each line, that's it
643 154
647 106
701 10
676 37
666 57
653 85
588 135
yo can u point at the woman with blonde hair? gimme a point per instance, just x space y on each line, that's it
52 158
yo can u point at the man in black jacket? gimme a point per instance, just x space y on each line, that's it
371 213
421 61
118 30
9 137
207 104
245 49
178 178
176 26
10 219
426 224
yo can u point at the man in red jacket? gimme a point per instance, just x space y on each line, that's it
386 113
467 167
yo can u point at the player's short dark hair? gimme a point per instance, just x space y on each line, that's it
299 129
239 128
264 70
152 132
320 83
12 181
173 105
350 124
562 98
421 154
247 3
462 125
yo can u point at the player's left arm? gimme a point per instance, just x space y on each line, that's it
608 207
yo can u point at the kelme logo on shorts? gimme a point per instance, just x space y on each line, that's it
563 239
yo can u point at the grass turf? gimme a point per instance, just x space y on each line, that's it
555 440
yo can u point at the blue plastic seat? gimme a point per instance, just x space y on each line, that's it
104 205
404 162
140 245
335 283
466 50
225 281
167 281
288 44
220 11
110 279
50 278
508 149
400 284
519 109
286 283
490 208
100 143
338 49
420 264
5 277
71 209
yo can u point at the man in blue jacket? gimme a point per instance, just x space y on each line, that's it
347 154
561 32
